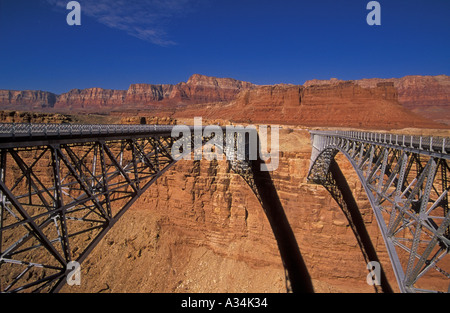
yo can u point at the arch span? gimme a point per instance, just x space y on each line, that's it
406 184
63 187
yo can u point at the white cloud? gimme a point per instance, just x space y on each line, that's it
143 19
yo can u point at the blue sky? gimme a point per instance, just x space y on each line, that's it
122 42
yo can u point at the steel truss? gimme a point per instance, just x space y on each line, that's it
406 181
63 187
59 200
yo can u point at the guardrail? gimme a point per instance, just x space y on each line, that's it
424 143
29 130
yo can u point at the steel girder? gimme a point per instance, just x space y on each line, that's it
60 195
59 200
63 187
406 181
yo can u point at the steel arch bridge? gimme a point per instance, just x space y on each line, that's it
406 181
64 186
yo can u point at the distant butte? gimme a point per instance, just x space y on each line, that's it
411 101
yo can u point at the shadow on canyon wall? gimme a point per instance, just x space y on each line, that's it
297 274
294 265
340 188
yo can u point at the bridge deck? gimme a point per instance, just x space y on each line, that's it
18 135
436 146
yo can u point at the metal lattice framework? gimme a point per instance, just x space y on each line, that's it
62 188
406 181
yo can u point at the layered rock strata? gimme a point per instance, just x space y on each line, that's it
198 89
428 96
345 104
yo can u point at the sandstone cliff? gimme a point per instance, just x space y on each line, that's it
198 89
29 99
372 103
343 104
428 96
90 98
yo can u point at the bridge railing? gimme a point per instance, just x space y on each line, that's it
30 130
424 143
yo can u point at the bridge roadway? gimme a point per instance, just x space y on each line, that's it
15 135
11 134
98 171
427 145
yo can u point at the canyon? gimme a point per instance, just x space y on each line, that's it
426 96
200 228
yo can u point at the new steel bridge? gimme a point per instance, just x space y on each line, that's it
63 186
405 178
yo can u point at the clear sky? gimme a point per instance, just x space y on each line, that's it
121 42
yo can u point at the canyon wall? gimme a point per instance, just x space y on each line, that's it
344 104
27 99
198 89
428 96
91 98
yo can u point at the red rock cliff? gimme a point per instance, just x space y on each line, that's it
27 98
198 89
367 102
90 98
428 96
344 104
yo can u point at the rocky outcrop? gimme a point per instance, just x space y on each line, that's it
91 98
366 103
428 96
198 89
27 99
350 105
204 89
32 117
343 104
